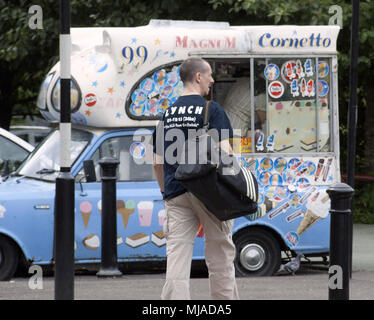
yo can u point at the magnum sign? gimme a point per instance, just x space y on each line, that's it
220 43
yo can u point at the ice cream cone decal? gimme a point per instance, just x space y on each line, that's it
308 220
317 208
125 210
85 209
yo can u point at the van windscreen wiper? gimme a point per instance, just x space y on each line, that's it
45 171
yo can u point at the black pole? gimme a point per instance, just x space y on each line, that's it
64 200
108 266
341 196
352 115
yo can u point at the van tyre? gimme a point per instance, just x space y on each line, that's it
8 259
257 253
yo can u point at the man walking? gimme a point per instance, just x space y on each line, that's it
184 210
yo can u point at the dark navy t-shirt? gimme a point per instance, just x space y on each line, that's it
187 113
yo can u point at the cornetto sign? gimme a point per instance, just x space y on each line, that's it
311 41
185 42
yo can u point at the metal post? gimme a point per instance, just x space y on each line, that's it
340 195
352 113
108 267
64 200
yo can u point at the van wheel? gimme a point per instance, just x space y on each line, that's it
8 259
257 253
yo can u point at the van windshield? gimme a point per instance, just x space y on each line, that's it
43 162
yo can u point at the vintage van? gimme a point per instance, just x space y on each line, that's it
277 84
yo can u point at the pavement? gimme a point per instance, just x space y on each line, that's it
309 283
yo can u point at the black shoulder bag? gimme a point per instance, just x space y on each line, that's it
227 189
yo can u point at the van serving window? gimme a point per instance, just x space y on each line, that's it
276 103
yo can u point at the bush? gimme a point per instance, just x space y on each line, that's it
363 210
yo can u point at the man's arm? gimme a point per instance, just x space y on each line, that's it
159 171
226 146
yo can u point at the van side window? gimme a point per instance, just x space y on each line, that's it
128 153
154 93
11 152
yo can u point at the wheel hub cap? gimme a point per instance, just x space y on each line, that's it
252 257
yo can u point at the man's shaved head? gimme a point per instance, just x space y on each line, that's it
191 66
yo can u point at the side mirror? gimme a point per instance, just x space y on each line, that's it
89 170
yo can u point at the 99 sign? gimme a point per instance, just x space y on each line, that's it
128 54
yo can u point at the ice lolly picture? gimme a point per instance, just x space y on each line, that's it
319 168
85 209
125 209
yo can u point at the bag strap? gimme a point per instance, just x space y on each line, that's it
206 114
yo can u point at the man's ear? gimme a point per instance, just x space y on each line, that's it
198 77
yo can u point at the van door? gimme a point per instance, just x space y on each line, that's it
140 211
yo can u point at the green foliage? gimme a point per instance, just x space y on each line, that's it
363 210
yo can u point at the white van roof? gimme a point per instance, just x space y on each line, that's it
108 63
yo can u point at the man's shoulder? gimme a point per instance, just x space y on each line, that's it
189 99
216 106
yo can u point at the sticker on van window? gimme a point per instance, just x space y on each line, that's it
295 88
288 71
147 85
299 69
323 88
166 92
266 164
303 87
280 164
138 97
152 106
308 67
163 104
276 89
160 77
137 150
137 110
173 78
271 72
323 69
310 88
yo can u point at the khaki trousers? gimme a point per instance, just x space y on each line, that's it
183 214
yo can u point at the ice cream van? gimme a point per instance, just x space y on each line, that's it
278 86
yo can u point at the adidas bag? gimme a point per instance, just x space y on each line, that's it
227 189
